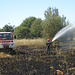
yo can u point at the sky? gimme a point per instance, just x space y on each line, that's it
15 11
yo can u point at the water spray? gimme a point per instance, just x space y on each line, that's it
63 31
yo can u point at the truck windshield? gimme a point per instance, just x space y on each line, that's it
6 36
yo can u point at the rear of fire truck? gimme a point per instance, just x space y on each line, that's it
6 40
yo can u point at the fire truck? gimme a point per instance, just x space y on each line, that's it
6 40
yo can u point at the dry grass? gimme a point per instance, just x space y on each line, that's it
29 42
3 55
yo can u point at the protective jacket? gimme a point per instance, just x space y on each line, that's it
48 46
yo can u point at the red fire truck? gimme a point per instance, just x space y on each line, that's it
6 40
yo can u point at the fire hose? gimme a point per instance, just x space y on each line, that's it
28 52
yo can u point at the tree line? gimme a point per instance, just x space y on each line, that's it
33 27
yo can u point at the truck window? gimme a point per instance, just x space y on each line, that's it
6 36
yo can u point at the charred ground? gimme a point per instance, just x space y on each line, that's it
29 60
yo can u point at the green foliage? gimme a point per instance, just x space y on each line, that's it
22 32
51 12
8 28
30 27
52 23
36 28
0 30
28 22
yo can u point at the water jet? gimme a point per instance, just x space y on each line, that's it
63 31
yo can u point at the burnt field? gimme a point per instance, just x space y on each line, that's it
34 60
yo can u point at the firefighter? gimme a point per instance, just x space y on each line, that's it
48 44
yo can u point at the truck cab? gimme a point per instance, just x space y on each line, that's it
6 40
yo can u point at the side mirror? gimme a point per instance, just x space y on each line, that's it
14 36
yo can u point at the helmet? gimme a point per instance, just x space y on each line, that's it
48 40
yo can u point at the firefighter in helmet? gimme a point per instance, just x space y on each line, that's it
48 44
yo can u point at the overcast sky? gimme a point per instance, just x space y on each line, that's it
15 11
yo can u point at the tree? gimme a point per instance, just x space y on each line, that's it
30 27
0 30
51 12
22 32
36 28
28 22
8 28
53 22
